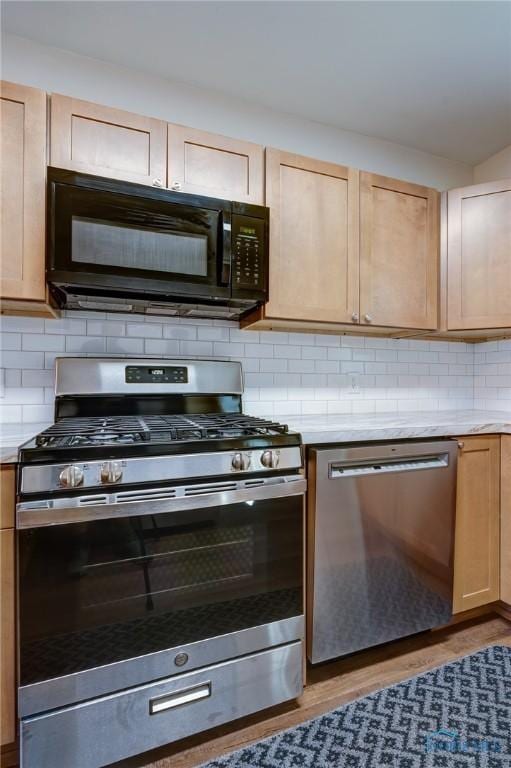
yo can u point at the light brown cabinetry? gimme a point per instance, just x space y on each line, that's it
107 142
505 519
399 253
477 541
205 163
313 239
479 257
7 611
348 250
23 195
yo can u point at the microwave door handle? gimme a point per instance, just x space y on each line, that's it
224 242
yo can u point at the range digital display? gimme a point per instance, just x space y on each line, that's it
170 374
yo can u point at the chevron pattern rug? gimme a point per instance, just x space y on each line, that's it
456 715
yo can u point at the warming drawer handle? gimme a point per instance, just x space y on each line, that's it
178 698
375 467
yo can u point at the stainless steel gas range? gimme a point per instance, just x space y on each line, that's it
160 541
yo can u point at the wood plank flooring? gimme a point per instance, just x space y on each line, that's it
333 684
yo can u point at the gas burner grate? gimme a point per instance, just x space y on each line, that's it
126 430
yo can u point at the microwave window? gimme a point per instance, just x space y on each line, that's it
109 244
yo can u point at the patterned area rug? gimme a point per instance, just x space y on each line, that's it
456 715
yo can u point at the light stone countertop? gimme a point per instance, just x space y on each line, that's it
347 428
341 428
12 436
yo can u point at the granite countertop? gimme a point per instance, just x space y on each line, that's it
396 426
12 436
337 428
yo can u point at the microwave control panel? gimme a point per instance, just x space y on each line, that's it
168 374
248 248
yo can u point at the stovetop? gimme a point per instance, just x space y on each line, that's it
127 430
127 436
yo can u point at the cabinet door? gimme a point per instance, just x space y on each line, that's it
399 253
7 627
207 164
477 540
479 256
107 142
22 203
505 520
313 239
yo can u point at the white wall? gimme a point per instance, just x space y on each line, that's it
496 167
27 62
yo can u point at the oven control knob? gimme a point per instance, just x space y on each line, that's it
270 459
240 462
111 472
71 477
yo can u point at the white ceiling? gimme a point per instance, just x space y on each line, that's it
435 76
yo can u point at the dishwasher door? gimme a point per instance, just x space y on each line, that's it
381 520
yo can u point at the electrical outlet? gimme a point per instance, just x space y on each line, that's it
354 383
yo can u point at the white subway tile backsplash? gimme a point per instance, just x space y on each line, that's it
48 342
11 341
285 373
124 346
86 344
145 330
159 347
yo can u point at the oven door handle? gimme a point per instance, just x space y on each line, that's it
38 514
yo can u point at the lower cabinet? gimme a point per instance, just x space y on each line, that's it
505 519
477 540
7 610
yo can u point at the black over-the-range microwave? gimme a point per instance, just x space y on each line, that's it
117 246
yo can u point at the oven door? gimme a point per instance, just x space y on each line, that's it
113 236
155 586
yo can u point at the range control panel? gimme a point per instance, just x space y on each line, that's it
168 374
248 235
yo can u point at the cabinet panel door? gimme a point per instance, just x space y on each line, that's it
22 204
505 520
205 163
477 541
399 253
107 142
313 239
479 256
7 629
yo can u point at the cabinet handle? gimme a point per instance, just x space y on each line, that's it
157 183
176 186
354 317
178 698
461 445
368 318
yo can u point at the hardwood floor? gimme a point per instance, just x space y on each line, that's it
333 684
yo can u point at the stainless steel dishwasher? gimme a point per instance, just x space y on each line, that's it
381 520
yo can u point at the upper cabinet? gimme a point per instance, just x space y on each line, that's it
399 253
205 163
348 249
107 142
313 239
23 195
479 256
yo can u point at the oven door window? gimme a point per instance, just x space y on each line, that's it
104 591
122 241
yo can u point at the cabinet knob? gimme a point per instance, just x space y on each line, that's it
368 318
157 183
354 317
461 445
176 186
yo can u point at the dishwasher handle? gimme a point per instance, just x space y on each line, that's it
385 466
